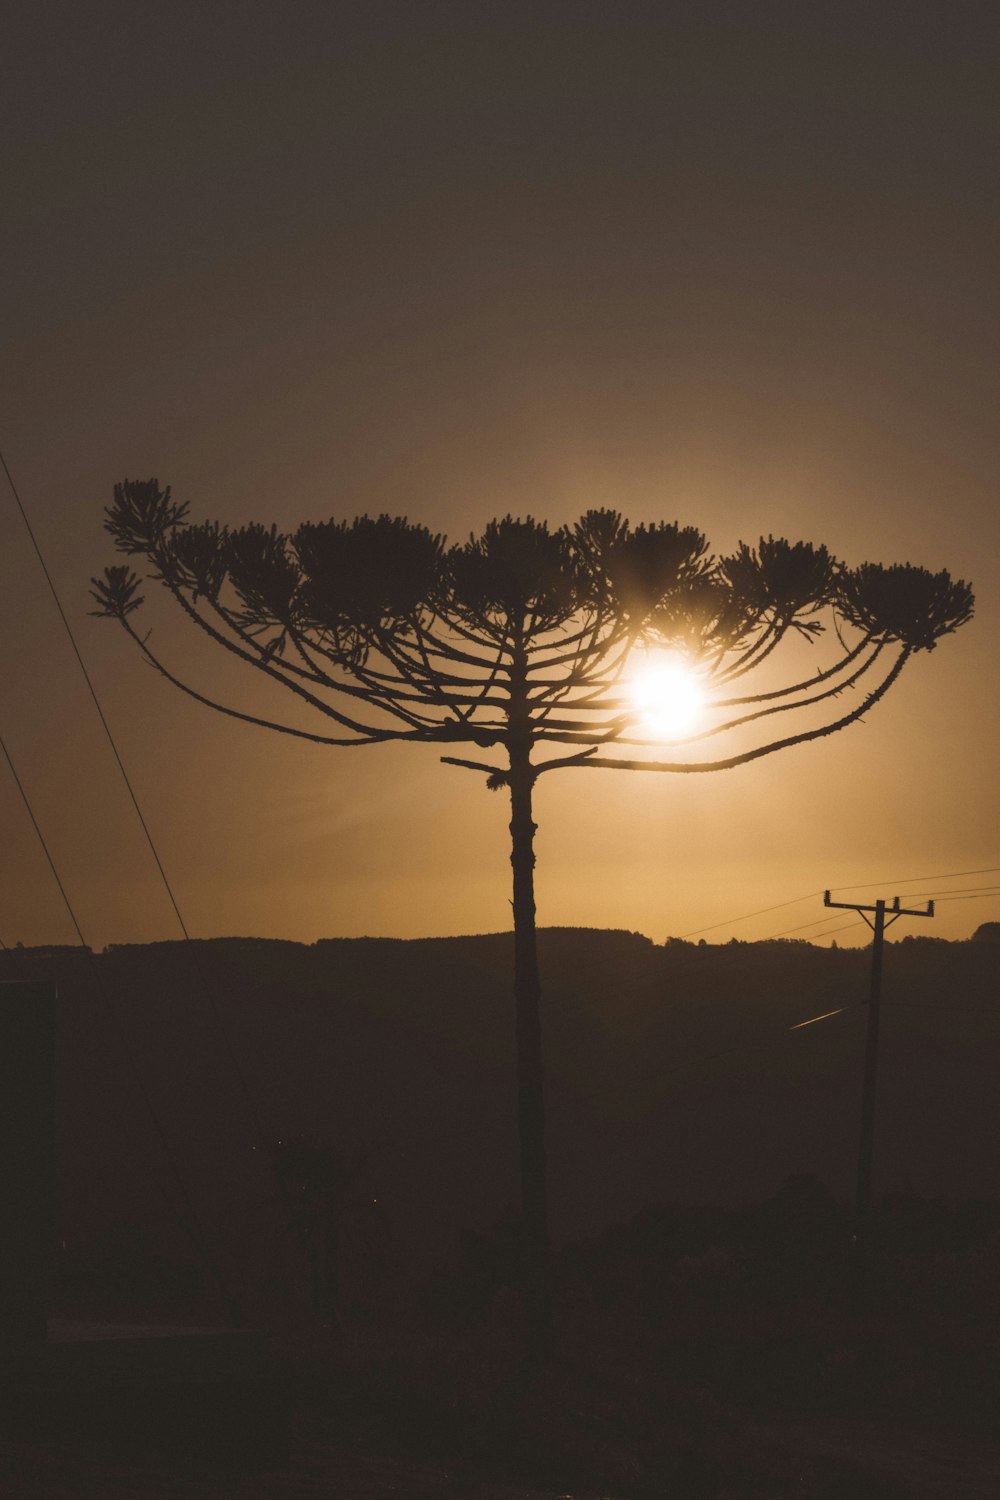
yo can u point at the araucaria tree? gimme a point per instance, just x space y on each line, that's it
523 642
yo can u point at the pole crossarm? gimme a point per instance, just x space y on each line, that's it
892 911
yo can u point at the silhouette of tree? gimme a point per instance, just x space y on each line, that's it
521 639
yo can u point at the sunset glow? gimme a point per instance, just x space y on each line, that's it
669 697
537 283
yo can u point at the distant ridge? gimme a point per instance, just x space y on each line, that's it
672 1075
467 937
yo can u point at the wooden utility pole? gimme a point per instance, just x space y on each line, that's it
883 916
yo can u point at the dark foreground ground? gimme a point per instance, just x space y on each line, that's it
701 1354
707 1350
823 1460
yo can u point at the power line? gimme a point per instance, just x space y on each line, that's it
45 848
192 1226
816 922
856 886
962 889
842 928
93 692
762 912
952 894
860 885
207 990
977 897
826 1016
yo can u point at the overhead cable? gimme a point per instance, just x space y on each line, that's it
45 848
223 1034
191 1224
857 885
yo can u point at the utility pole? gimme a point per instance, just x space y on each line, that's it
884 914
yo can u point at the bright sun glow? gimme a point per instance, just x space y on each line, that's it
668 696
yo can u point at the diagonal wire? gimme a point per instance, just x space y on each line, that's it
978 897
93 694
223 1034
858 885
41 839
909 879
816 922
191 1222
824 1017
762 912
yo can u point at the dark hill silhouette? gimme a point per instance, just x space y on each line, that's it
672 1076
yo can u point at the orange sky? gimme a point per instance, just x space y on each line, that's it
731 268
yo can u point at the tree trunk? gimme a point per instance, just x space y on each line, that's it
537 1288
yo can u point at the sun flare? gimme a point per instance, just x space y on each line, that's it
668 696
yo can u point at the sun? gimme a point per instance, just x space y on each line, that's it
668 696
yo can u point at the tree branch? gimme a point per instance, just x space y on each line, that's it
368 737
749 755
262 666
565 760
472 765
807 682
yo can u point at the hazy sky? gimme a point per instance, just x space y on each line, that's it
732 264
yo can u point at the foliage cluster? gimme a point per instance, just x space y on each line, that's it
381 626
